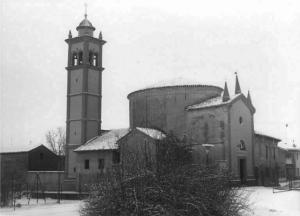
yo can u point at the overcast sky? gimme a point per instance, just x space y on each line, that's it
149 41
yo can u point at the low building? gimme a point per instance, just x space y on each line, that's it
43 159
19 168
138 150
98 155
266 159
293 162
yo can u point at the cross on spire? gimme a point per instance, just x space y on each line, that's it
85 10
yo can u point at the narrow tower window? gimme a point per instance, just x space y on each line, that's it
91 55
75 59
80 58
95 57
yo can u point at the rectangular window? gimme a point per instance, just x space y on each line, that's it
266 152
116 157
101 163
274 156
86 164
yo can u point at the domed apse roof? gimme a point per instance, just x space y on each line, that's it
176 82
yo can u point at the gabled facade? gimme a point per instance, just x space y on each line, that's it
228 125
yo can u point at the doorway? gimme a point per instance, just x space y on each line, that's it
243 173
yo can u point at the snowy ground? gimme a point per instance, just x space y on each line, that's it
50 208
262 200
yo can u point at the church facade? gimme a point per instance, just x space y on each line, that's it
197 114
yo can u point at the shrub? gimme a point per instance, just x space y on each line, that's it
178 188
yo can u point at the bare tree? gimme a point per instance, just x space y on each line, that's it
56 139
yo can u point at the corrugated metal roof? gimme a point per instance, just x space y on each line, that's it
153 133
106 141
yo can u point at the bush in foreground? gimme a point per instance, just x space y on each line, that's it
177 188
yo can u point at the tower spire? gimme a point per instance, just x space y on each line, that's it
226 96
249 98
237 84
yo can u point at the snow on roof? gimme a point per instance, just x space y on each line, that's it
266 135
153 133
179 81
105 141
288 147
215 101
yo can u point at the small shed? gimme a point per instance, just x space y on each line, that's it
43 159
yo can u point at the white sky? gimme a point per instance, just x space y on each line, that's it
149 41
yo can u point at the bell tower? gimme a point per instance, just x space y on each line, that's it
83 91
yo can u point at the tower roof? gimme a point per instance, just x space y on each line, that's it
249 98
85 23
237 85
226 96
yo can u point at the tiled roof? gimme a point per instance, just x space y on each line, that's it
106 141
153 133
216 101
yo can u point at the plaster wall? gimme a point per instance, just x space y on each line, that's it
216 121
164 108
138 151
75 132
76 47
92 129
76 81
75 107
71 163
241 131
94 47
93 81
93 157
92 107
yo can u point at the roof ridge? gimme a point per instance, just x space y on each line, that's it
172 86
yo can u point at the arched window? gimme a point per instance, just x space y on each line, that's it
91 58
75 59
80 58
95 59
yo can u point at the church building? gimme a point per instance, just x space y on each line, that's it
198 114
